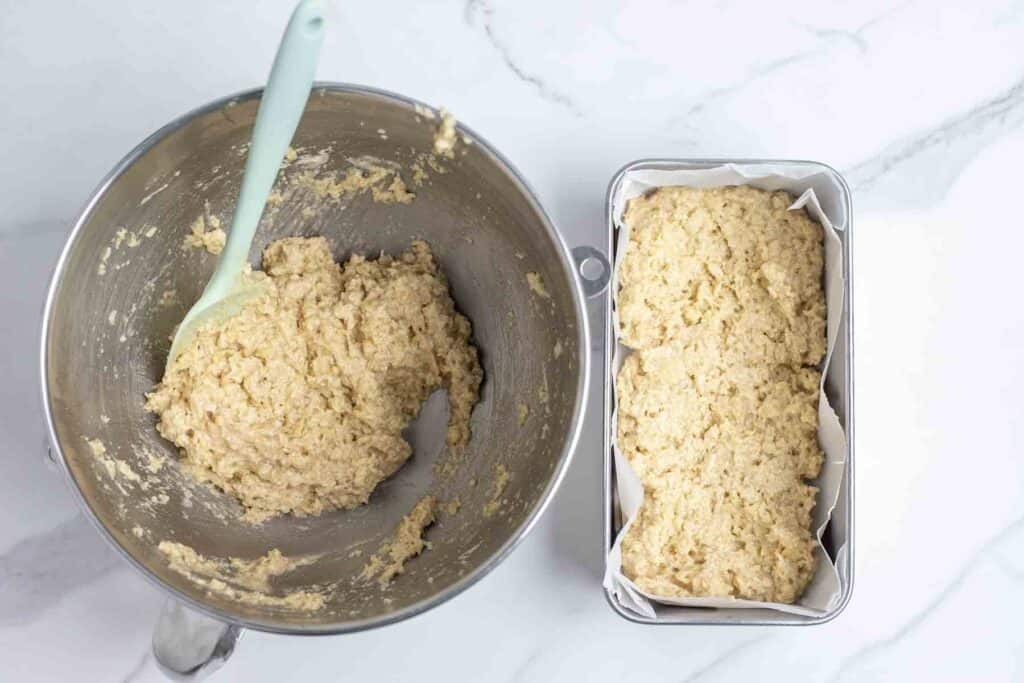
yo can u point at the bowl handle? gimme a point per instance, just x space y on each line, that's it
188 645
595 274
593 269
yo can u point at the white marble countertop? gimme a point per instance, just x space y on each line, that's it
919 106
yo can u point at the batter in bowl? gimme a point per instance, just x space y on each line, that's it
297 404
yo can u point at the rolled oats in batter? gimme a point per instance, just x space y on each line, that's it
297 404
444 137
247 581
721 299
206 233
405 543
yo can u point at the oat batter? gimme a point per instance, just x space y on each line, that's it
721 297
247 581
206 233
297 404
444 137
405 543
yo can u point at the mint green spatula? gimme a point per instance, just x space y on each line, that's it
281 107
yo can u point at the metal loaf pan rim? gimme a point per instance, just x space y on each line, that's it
714 616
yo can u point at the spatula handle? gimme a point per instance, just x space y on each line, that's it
281 108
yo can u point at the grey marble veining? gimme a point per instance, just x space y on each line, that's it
849 665
951 144
481 11
43 569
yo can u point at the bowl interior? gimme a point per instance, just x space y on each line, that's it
125 281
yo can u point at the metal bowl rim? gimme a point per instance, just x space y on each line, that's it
576 422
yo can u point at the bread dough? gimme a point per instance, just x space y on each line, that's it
536 283
405 543
247 581
501 477
206 233
732 264
297 404
384 183
721 295
444 137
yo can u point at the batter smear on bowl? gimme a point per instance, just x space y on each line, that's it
297 403
721 300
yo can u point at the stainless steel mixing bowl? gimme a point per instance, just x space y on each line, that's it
105 337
